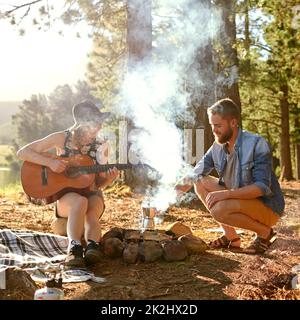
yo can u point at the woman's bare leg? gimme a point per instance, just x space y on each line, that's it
73 207
92 227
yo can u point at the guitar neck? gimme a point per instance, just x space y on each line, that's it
104 167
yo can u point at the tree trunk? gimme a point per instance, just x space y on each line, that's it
285 151
297 152
139 41
205 65
297 161
228 80
139 32
247 41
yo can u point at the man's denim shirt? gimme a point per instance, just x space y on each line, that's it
255 166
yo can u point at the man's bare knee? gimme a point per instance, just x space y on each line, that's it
218 212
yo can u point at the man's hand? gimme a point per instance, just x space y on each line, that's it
183 186
216 196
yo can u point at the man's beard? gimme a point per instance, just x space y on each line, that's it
225 137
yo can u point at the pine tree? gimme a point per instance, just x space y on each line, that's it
32 121
268 73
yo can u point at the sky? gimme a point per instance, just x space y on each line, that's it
40 60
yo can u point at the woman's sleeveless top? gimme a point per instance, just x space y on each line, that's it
90 149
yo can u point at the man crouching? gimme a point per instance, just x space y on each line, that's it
247 194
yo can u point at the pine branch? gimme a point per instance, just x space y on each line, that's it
24 15
264 121
260 46
274 114
28 4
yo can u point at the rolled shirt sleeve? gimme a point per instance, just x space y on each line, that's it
204 166
263 167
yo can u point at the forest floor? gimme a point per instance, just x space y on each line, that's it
214 275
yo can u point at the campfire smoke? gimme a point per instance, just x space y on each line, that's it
154 94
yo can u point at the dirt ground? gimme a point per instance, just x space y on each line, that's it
215 275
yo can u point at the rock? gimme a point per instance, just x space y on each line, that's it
59 226
150 251
131 252
174 250
178 229
193 244
132 235
113 247
19 286
113 233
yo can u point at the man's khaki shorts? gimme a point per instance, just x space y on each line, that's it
253 208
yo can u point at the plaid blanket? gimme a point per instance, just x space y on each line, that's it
27 249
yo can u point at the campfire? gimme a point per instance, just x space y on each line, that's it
147 243
173 244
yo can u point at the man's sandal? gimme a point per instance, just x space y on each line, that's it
224 243
260 245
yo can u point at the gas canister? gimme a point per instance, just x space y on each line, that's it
52 291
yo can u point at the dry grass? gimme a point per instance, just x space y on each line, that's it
215 275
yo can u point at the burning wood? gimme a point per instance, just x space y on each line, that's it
148 235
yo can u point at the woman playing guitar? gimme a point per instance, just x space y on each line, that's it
82 210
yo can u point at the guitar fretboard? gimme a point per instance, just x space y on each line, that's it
104 167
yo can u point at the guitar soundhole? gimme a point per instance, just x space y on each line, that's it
72 172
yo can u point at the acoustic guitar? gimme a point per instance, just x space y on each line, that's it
43 186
